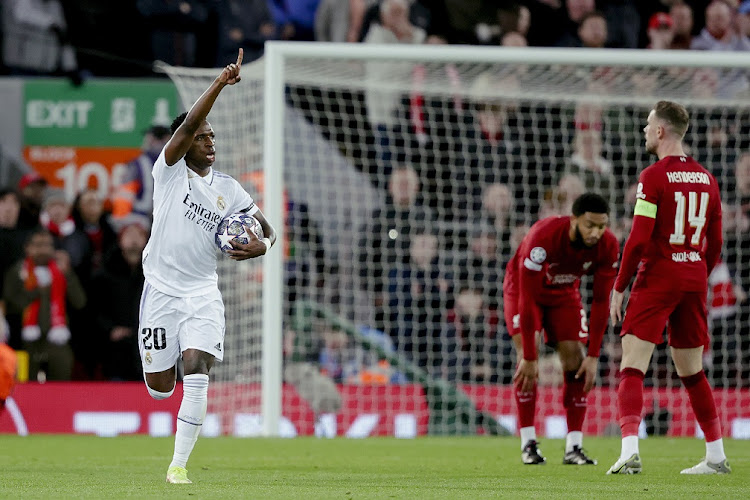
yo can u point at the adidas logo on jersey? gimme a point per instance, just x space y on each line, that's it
218 346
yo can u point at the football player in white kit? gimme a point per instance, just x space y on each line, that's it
181 311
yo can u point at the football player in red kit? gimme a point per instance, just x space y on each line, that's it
541 294
676 238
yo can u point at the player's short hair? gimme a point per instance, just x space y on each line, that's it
590 202
675 115
177 122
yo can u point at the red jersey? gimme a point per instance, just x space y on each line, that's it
676 233
546 270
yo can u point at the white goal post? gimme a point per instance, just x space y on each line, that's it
609 81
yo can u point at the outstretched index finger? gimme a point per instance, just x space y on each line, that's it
239 58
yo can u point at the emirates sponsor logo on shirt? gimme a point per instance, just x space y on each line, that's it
202 216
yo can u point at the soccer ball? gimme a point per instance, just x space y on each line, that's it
233 227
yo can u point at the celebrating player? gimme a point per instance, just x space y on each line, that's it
181 307
541 292
676 237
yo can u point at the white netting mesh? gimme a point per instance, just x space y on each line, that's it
408 186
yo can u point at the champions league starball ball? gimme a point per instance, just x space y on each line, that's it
233 227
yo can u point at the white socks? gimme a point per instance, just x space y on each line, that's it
574 438
715 451
527 434
629 447
190 417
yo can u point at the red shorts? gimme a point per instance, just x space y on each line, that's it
566 321
684 313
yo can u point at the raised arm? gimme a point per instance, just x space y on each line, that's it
182 138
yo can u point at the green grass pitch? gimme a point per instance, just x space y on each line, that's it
447 468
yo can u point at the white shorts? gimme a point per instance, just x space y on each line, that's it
170 325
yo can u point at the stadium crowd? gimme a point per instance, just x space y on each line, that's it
458 208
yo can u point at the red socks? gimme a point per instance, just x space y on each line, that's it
630 400
574 401
702 401
526 403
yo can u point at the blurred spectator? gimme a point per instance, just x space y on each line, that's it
241 23
430 131
723 309
468 21
338 357
517 234
295 18
418 15
386 236
682 16
576 10
115 296
588 163
418 292
173 27
736 214
305 265
31 190
546 26
39 289
135 192
513 39
89 217
514 18
133 195
623 23
496 152
661 31
476 334
332 21
345 362
559 199
550 370
497 208
393 26
35 38
11 250
482 268
57 218
743 20
719 33
341 20
592 32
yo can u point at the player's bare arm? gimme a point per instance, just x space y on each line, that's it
526 374
183 137
255 247
604 280
615 307
640 235
528 368
588 370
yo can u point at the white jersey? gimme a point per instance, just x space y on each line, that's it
180 257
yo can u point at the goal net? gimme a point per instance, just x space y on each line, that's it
410 174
